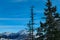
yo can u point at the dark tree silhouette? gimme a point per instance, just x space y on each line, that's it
31 26
51 27
51 22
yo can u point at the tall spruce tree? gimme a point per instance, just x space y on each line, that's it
31 26
51 28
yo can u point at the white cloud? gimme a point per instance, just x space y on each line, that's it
14 18
11 26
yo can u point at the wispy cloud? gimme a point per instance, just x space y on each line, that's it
14 18
11 26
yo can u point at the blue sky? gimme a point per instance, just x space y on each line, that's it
15 14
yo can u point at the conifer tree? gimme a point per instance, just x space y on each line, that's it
51 28
31 26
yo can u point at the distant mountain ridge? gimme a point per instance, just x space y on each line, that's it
19 35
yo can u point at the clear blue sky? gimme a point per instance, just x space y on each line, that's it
14 14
